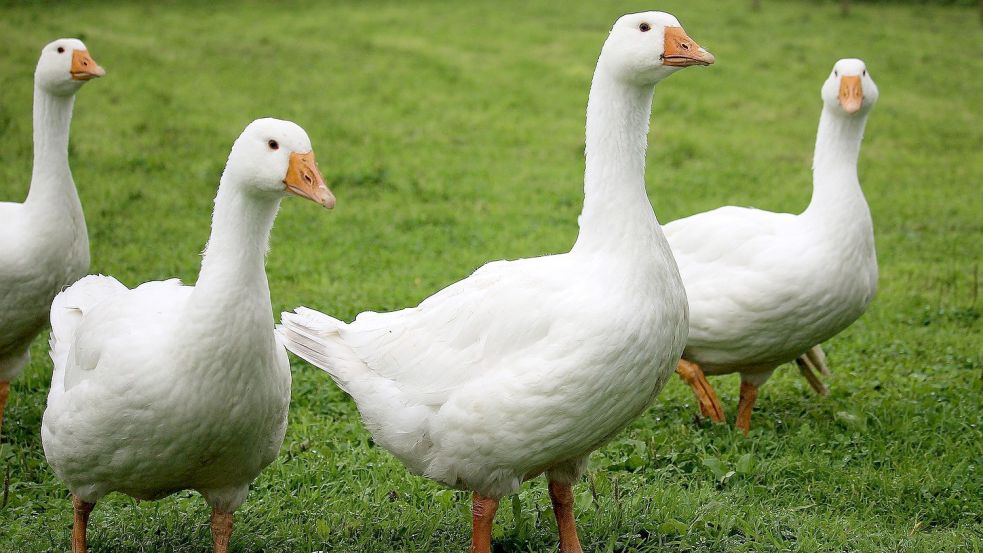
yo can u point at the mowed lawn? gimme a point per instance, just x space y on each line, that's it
452 134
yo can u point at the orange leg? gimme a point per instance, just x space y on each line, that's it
807 368
482 518
749 393
221 531
4 393
692 374
562 496
82 510
818 358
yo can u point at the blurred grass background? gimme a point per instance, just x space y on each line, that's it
452 134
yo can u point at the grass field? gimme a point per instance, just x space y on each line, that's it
453 135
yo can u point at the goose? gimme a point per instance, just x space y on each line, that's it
527 366
45 246
767 288
168 387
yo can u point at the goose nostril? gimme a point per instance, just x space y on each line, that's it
685 46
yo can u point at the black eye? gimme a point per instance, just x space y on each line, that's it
273 145
644 27
61 50
836 73
865 72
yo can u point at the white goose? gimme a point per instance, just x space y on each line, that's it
168 387
45 246
527 366
765 288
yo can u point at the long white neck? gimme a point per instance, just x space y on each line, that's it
232 282
836 195
617 215
51 180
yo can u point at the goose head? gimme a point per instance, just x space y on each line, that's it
644 48
65 65
274 158
849 89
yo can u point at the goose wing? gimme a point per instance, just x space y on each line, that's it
98 316
742 268
502 313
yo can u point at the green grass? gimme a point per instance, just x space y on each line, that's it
453 135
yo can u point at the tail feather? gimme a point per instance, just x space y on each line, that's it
314 337
395 420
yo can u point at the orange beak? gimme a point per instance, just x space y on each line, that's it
304 180
851 94
680 50
84 68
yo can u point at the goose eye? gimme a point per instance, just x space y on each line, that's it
836 73
61 50
644 27
865 72
273 145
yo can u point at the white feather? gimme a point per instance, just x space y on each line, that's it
168 387
527 366
45 246
765 288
